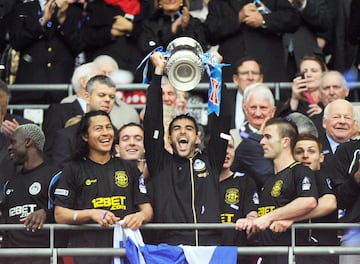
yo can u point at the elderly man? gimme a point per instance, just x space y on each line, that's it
344 168
259 106
333 86
338 122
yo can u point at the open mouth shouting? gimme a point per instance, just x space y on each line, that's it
183 143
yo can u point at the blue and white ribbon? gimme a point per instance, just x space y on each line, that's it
214 70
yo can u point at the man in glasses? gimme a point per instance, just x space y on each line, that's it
246 71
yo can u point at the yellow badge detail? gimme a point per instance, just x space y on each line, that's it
227 218
265 210
276 190
121 179
88 182
232 196
203 175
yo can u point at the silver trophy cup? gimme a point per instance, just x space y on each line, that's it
184 67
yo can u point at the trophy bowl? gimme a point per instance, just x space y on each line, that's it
184 67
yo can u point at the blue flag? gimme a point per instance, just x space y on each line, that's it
139 253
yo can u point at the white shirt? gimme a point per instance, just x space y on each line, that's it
82 103
239 112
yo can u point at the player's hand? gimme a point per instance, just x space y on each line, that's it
134 221
281 226
262 223
215 57
245 224
103 217
35 220
158 61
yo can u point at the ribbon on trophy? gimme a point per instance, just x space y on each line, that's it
145 60
185 63
214 71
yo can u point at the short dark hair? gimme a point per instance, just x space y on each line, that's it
103 79
287 128
310 137
240 62
131 124
183 116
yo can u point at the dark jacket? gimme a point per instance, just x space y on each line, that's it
97 38
55 118
249 158
315 19
157 31
354 22
239 40
64 147
47 54
344 164
184 190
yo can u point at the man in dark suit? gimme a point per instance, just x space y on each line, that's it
101 90
48 40
5 8
246 71
259 106
354 22
315 19
245 28
57 115
339 124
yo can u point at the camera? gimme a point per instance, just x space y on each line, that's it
307 94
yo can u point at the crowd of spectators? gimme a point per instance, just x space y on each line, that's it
263 164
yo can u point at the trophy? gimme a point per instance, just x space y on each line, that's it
184 66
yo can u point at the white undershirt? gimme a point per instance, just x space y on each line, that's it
239 112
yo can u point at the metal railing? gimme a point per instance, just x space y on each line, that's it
291 250
35 112
275 86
